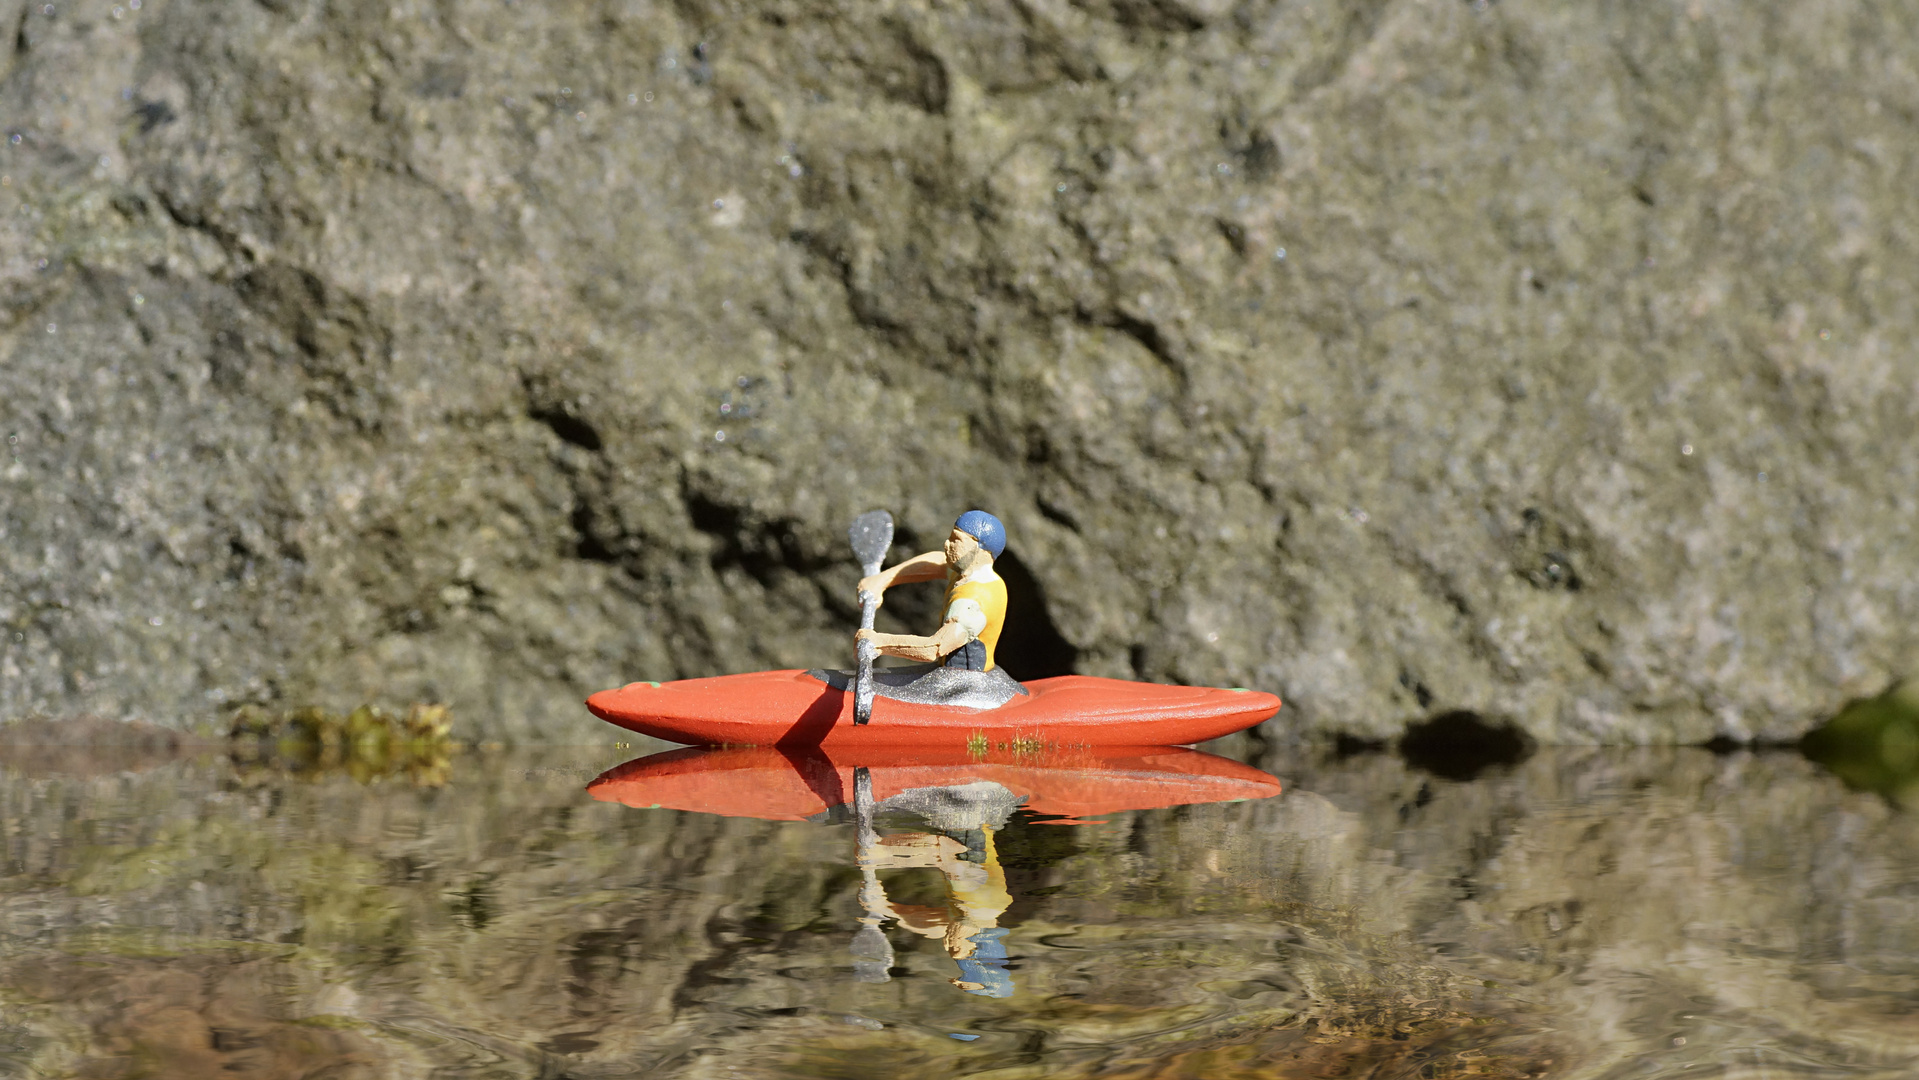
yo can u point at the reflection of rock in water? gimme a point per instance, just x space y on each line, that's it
194 1016
91 746
367 742
1582 908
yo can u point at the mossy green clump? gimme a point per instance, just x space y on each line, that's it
368 742
1873 745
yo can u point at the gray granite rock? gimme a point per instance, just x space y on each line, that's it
1553 363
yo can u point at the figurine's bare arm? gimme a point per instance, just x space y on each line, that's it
950 636
924 567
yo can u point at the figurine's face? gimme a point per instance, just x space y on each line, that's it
962 549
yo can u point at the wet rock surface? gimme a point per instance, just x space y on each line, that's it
1405 359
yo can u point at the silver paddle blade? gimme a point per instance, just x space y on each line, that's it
871 535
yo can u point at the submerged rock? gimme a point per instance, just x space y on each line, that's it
1545 363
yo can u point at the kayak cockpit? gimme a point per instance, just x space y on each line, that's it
933 685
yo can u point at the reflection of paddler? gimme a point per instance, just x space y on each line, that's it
968 926
975 596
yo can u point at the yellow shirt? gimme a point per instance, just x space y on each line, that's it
978 603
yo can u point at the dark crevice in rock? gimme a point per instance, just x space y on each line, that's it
764 550
1461 745
927 85
1150 337
1056 514
1030 646
588 544
1253 147
1420 693
569 426
153 114
22 44
240 560
186 217
1162 16
1261 157
1235 235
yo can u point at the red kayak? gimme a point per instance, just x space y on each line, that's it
796 708
761 782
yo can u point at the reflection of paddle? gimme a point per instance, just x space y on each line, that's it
872 953
871 535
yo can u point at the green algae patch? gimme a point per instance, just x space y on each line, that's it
1873 745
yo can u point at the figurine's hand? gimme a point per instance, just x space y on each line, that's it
876 585
863 635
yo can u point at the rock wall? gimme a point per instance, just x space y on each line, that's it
1552 363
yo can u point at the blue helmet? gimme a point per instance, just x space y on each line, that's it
985 528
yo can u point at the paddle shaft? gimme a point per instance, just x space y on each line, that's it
863 681
871 535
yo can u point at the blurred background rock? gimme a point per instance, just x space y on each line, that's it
1548 363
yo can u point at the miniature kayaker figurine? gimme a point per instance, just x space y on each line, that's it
956 696
975 596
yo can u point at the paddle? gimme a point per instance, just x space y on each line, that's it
872 953
871 535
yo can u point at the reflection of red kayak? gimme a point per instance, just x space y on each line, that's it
761 782
791 708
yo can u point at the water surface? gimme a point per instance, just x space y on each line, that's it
1582 913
